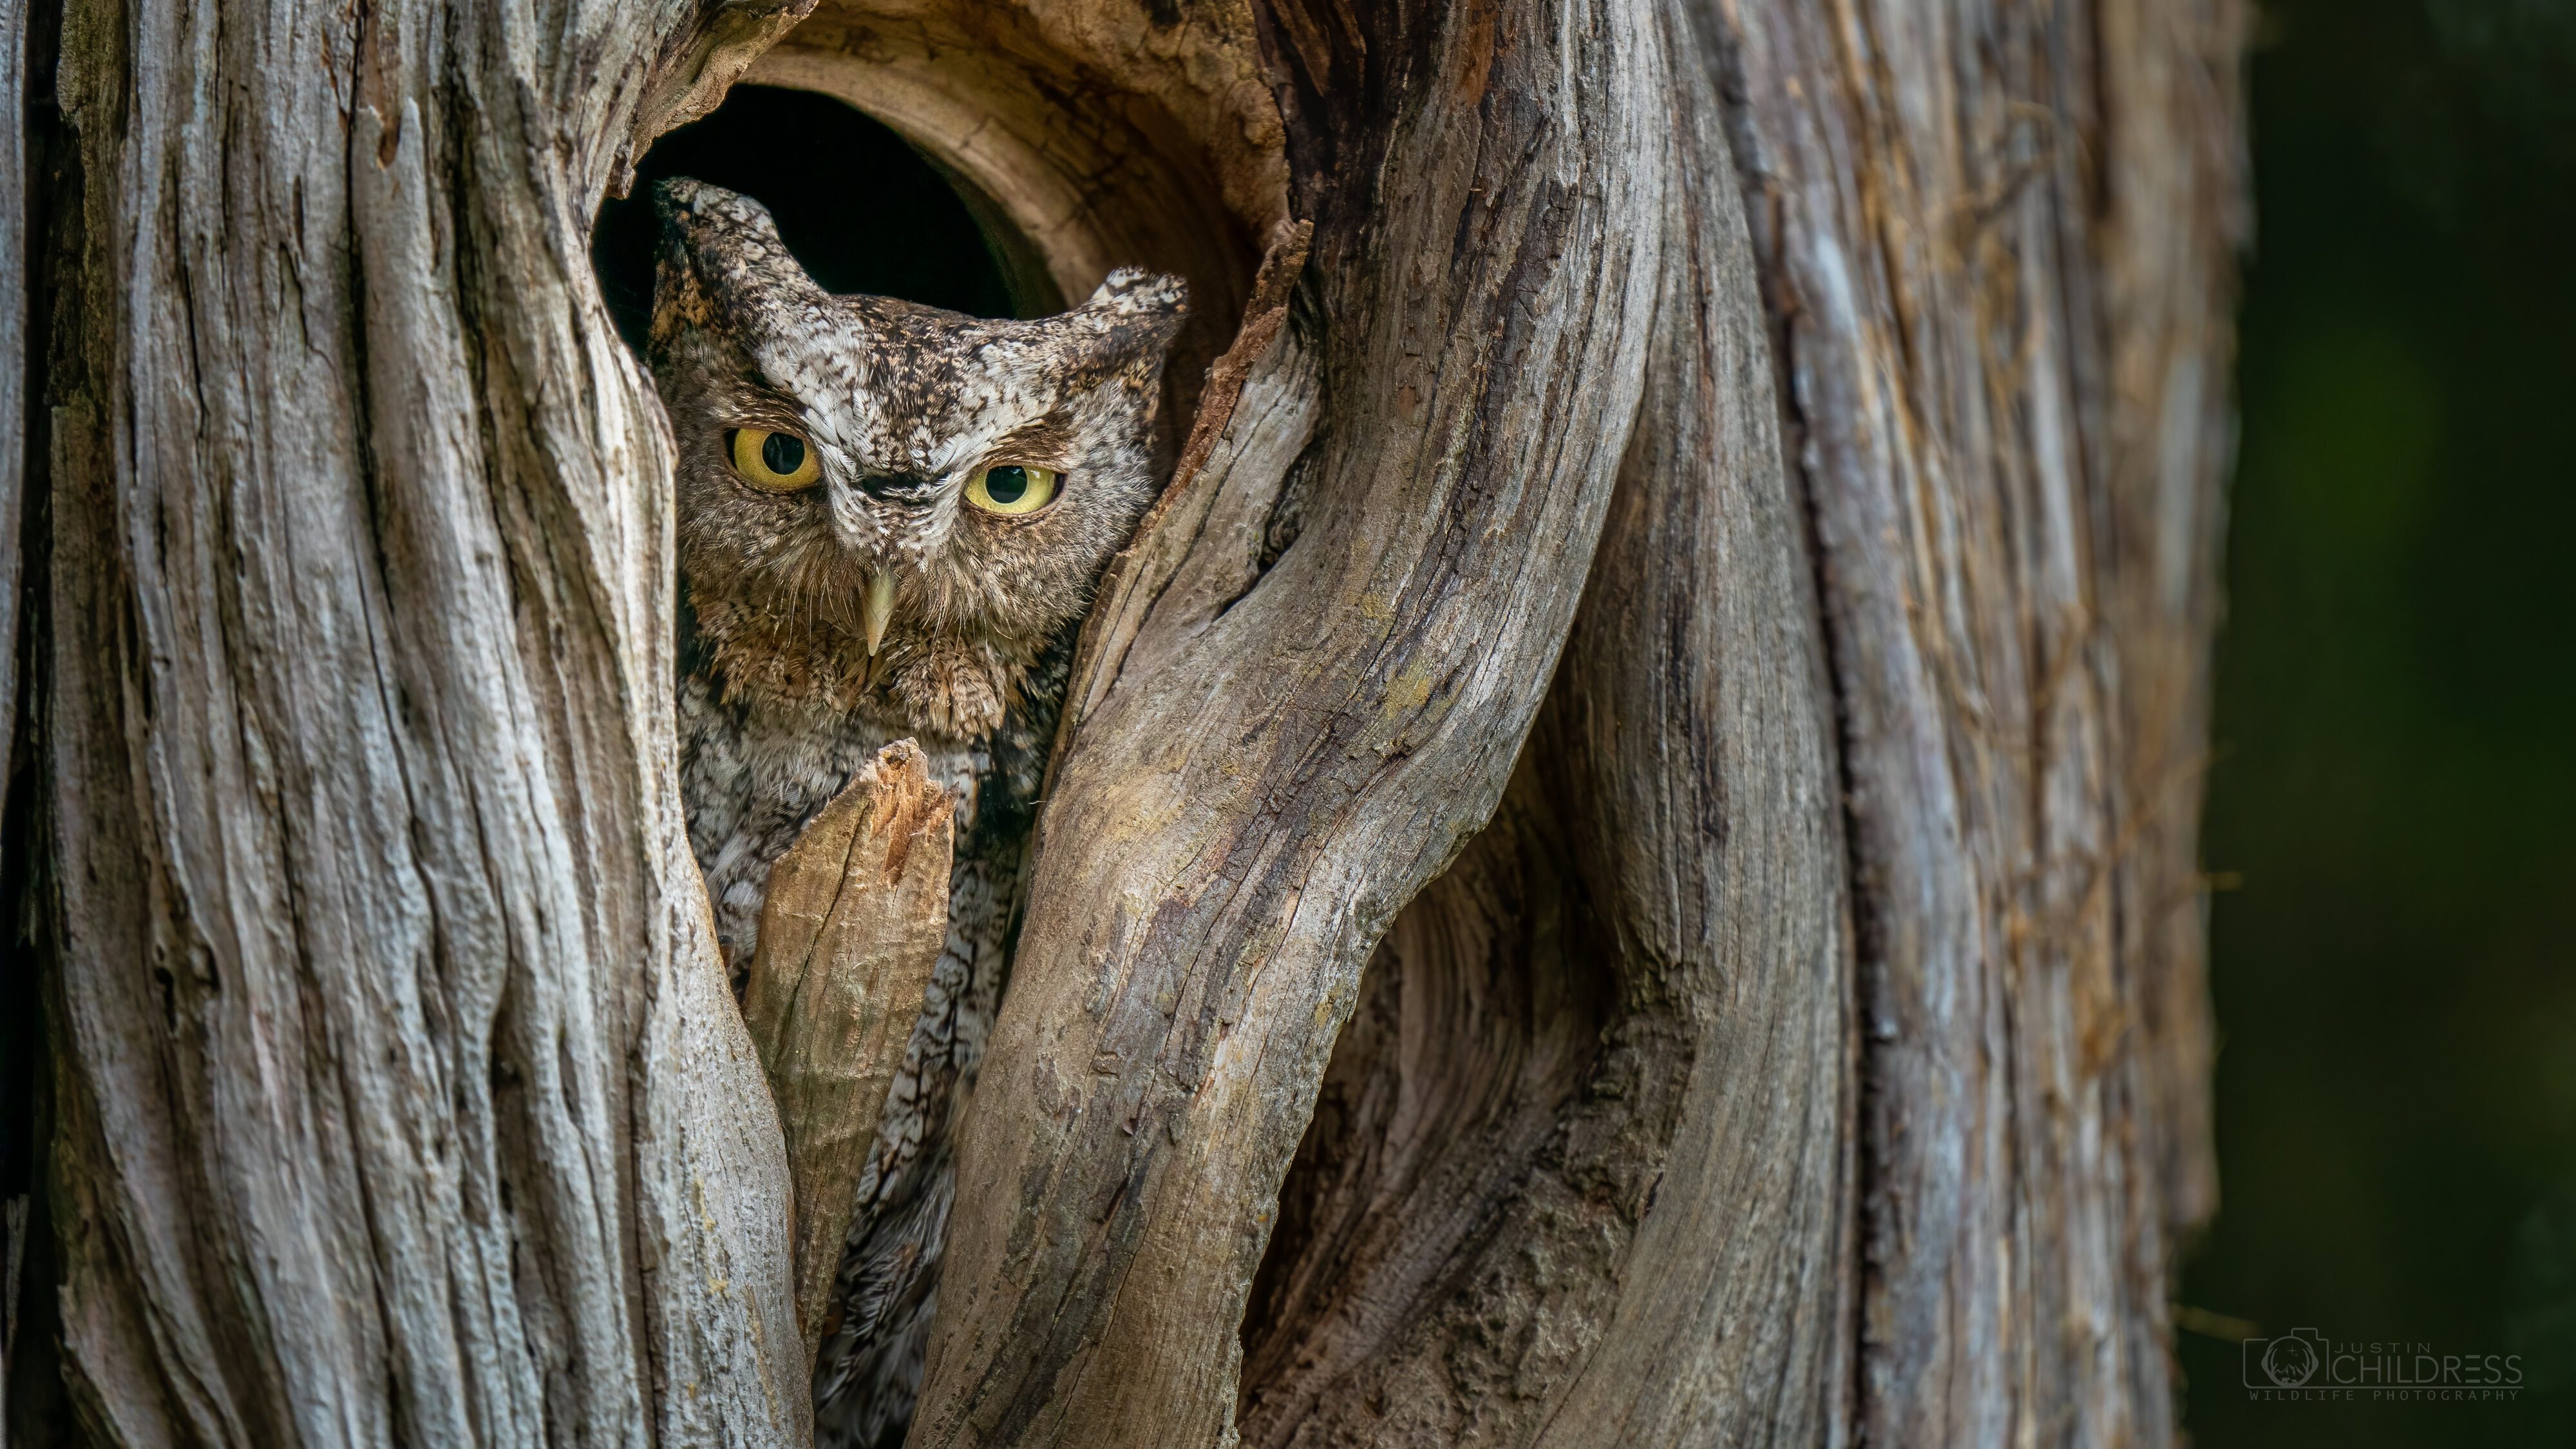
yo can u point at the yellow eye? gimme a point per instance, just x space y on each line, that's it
774 462
1013 488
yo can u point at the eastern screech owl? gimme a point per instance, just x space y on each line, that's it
890 520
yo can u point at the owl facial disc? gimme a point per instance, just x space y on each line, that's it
838 454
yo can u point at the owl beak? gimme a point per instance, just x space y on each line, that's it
879 608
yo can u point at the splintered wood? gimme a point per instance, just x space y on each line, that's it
856 912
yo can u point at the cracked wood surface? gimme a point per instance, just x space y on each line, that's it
1994 245
1734 677
1581 1174
1277 745
403 1099
1998 241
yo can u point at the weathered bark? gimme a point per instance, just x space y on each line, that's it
403 1098
1285 755
15 185
1646 1242
1998 241
855 915
1620 869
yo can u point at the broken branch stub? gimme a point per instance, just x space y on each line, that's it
852 925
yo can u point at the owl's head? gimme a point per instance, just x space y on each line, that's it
884 506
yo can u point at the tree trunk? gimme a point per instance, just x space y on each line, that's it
2001 247
402 1099
1620 867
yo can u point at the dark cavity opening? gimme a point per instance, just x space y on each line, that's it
857 204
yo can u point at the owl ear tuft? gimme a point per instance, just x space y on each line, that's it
1136 292
724 244
1131 318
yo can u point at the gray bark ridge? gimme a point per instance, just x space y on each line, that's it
403 1100
1836 1088
1582 1176
1268 762
1998 242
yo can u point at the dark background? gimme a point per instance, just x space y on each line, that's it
852 200
2392 810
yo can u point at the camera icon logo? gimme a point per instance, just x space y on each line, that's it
2287 1362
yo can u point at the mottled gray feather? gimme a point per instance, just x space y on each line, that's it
781 699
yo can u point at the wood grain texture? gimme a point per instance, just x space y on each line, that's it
404 1101
1269 761
2174 219
1996 239
1580 1175
853 921
1683 621
17 185
19 193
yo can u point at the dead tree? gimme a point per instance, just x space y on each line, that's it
1620 869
